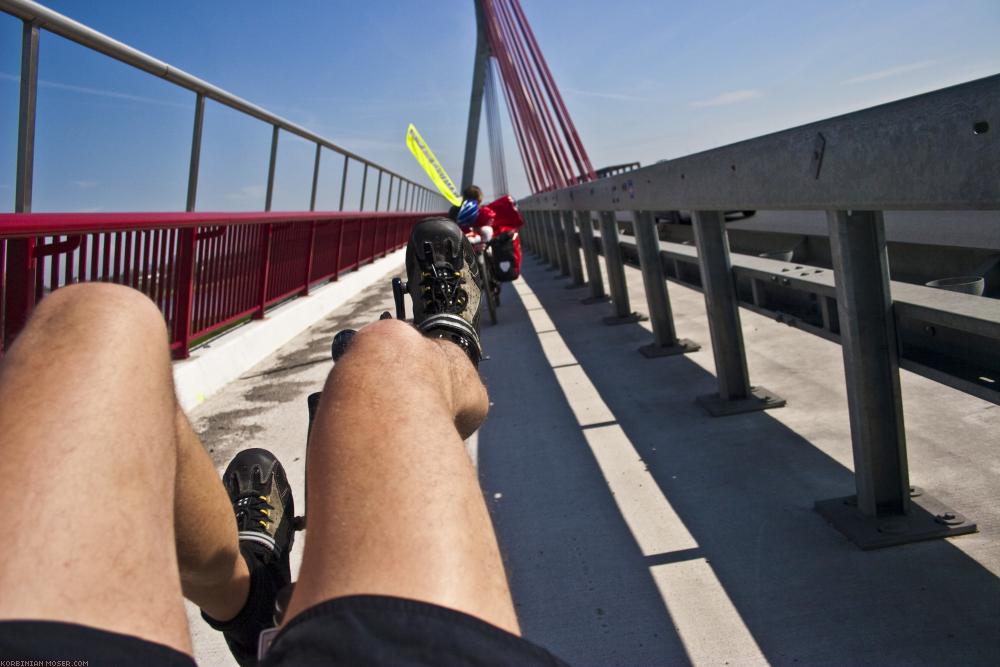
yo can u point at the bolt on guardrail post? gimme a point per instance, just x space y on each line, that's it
594 277
886 509
615 267
735 393
572 250
188 238
21 262
665 342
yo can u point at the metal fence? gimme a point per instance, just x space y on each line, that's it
205 271
938 151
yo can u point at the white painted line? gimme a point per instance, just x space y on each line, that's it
212 367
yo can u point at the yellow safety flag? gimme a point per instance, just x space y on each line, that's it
425 156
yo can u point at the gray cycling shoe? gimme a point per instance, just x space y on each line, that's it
445 284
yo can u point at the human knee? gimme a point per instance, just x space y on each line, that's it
101 309
388 339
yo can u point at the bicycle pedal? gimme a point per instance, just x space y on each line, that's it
299 523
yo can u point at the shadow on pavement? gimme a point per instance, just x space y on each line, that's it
744 487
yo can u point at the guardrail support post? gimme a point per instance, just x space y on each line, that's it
542 236
616 272
665 342
572 250
550 239
594 277
886 510
735 393
528 235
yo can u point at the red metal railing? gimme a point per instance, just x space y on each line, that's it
205 271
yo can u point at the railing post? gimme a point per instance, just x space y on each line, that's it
309 258
315 183
21 262
572 250
647 241
735 393
343 184
364 184
883 513
378 189
187 242
594 277
265 270
271 166
616 272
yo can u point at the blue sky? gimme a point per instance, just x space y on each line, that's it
643 79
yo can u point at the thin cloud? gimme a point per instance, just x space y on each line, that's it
100 92
732 97
607 96
248 192
891 71
85 184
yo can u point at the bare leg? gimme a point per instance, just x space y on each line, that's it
95 456
393 502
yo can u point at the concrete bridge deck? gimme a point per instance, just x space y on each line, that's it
639 531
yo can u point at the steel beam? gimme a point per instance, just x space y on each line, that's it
934 151
594 278
20 261
882 513
665 342
735 394
615 267
572 249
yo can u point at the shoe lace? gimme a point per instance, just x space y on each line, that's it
441 290
253 512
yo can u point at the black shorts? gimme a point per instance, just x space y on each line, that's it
356 630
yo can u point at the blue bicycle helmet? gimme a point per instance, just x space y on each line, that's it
469 212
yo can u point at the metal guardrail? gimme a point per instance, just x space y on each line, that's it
37 17
938 151
205 271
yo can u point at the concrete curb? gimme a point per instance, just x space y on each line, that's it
215 365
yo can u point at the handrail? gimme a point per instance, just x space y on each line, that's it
27 225
203 283
62 25
936 151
